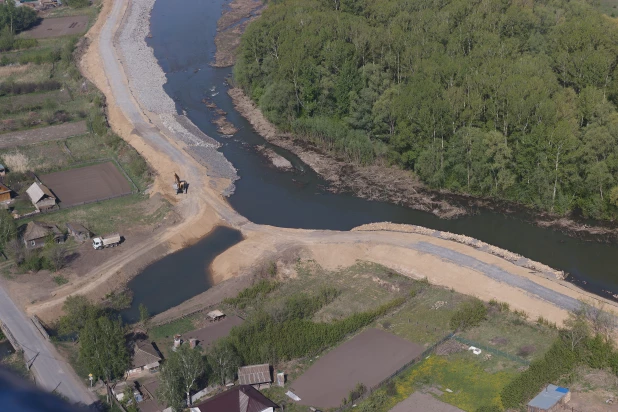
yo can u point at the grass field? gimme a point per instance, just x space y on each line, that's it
112 215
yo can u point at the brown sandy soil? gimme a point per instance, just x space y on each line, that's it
58 26
370 182
230 28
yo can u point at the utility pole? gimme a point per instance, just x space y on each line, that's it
31 361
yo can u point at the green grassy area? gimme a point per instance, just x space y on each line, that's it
168 330
425 318
464 374
364 286
111 215
508 332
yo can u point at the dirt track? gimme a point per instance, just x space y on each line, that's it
443 262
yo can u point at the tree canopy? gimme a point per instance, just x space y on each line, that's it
15 18
509 99
180 374
103 349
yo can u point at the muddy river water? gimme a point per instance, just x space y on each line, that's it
183 41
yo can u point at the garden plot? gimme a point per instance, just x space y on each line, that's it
367 358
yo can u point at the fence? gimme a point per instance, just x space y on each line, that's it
399 371
39 326
492 350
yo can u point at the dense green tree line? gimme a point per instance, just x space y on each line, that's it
509 99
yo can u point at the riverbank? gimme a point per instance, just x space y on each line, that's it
446 262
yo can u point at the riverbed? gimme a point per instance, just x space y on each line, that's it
183 42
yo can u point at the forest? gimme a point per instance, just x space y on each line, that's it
511 100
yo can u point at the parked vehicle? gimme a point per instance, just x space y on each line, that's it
104 241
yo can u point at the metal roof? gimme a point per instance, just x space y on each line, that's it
254 374
38 191
242 398
550 396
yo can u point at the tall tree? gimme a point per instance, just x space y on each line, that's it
223 360
103 348
179 375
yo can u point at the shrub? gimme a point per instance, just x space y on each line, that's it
559 360
470 314
253 293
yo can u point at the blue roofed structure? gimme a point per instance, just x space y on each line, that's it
550 399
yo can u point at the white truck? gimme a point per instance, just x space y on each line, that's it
104 241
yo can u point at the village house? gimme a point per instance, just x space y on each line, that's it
5 193
79 233
37 233
145 358
41 197
258 376
243 398
552 398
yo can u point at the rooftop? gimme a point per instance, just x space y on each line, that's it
144 354
243 398
38 230
550 396
38 191
76 227
254 374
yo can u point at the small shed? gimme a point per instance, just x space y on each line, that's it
258 376
145 358
215 315
42 198
5 193
37 233
552 398
79 232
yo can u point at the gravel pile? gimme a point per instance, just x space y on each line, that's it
466 240
146 79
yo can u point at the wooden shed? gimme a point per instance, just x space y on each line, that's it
79 232
5 193
258 376
42 198
37 233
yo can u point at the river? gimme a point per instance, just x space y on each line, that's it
183 42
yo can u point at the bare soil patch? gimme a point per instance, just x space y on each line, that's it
87 184
333 376
42 134
207 335
230 28
59 26
423 402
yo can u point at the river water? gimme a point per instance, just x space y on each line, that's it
183 41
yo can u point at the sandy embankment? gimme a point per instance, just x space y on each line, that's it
442 260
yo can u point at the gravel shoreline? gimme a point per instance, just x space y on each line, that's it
146 80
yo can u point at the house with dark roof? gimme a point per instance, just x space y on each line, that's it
242 398
258 376
41 197
37 233
145 358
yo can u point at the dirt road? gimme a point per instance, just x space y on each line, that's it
464 268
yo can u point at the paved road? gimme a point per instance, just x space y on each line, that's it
49 372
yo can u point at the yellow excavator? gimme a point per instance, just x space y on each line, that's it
180 185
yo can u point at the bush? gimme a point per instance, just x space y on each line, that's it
558 361
12 88
296 337
253 293
470 314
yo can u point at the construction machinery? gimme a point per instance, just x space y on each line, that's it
180 185
111 240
